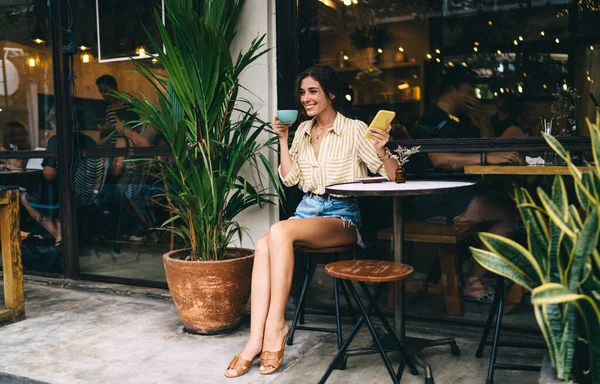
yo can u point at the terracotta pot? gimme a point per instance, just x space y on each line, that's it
210 296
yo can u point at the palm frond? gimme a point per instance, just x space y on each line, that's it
217 168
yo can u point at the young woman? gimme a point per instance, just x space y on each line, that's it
327 149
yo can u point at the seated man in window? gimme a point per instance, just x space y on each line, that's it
453 116
43 205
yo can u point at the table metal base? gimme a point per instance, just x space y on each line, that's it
413 346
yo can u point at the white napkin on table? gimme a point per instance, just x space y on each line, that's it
534 160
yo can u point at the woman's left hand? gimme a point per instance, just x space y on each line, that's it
379 137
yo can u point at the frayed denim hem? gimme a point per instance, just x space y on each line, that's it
346 222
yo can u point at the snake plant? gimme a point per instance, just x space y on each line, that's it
218 160
560 263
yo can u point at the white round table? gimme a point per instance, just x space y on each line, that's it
397 191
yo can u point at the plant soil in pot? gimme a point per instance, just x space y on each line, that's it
210 296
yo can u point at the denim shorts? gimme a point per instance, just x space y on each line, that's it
316 206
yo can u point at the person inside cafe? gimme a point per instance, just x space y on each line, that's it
328 148
107 84
130 185
42 205
526 124
454 116
506 115
15 138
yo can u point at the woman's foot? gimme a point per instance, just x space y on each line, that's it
241 363
477 289
273 347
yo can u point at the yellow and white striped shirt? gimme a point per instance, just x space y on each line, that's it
344 155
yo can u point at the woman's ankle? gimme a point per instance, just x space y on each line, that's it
276 325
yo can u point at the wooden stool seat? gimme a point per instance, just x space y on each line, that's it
371 271
336 249
349 273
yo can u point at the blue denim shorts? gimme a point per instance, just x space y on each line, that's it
316 206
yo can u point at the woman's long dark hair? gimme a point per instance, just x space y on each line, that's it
330 83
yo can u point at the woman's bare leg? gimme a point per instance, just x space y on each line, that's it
313 232
259 300
58 237
48 224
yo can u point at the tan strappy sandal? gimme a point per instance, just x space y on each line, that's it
241 366
273 360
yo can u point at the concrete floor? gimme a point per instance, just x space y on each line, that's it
100 333
144 261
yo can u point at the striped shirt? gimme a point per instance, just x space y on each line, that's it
344 155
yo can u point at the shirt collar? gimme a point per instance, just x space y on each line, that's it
338 123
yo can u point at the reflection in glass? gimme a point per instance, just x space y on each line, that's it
119 24
392 56
25 79
119 234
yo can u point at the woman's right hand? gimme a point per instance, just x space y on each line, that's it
281 130
497 158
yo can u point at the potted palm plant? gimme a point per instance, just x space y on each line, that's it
218 165
560 265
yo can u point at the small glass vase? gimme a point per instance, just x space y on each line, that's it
400 178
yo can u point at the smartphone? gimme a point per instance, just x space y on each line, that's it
380 121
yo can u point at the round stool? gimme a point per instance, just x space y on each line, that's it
368 271
305 255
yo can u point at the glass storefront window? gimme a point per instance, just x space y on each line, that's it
26 84
118 231
392 55
117 235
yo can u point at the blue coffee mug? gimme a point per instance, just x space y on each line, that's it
287 116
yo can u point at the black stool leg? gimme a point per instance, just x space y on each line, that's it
390 331
499 292
307 263
488 325
300 306
338 320
347 297
365 315
342 350
349 302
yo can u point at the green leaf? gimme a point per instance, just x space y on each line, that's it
500 266
515 254
554 213
595 138
556 147
590 334
586 243
537 229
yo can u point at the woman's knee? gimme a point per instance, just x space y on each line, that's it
262 246
279 231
